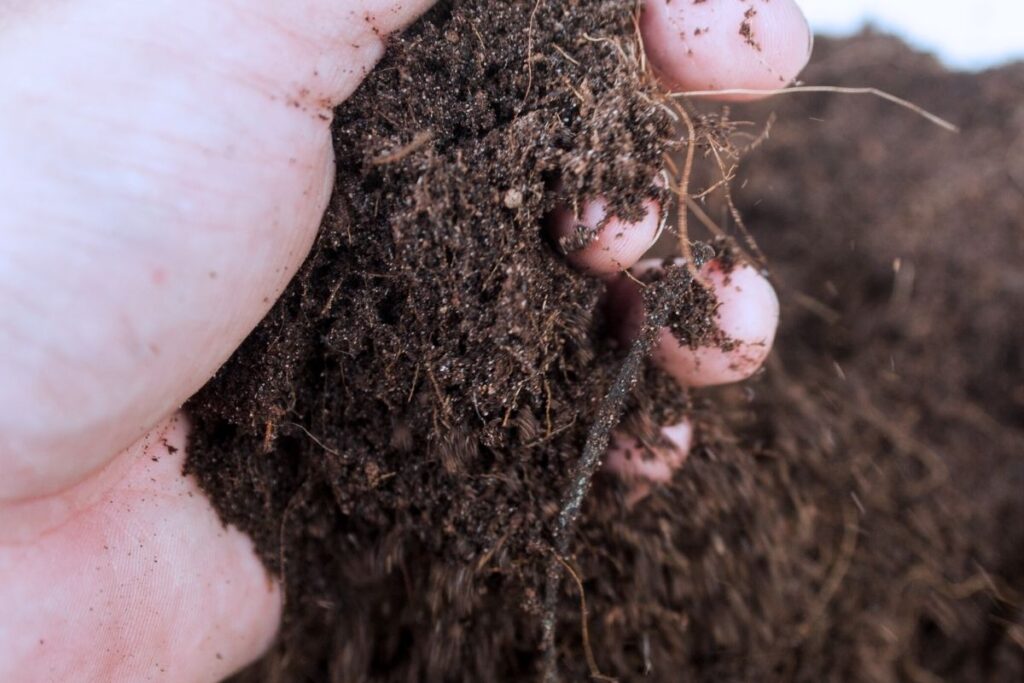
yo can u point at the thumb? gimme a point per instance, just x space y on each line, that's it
163 170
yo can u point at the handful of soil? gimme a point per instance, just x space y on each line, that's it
397 434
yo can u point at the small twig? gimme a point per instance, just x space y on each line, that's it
755 250
418 140
486 557
683 190
479 38
415 379
608 414
588 650
938 121
564 53
638 35
634 278
703 217
591 39
529 53
710 189
317 441
816 307
441 398
555 432
547 408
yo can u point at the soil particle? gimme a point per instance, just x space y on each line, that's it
580 236
747 29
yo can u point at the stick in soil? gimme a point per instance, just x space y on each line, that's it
588 651
660 300
683 190
899 101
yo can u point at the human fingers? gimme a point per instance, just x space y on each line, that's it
163 170
746 318
726 44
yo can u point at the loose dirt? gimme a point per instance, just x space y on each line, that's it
398 432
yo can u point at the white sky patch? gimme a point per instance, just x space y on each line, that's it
966 34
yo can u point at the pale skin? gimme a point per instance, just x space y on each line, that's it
163 170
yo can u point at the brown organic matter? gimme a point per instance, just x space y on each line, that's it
397 435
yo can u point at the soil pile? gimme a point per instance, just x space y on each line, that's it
396 435
898 249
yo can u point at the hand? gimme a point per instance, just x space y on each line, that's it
163 170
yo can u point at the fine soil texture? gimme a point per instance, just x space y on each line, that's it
398 434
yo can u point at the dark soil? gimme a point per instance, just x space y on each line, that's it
398 433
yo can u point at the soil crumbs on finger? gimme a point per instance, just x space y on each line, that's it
397 433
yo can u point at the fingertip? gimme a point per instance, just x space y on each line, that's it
624 303
679 435
748 305
602 246
635 462
723 45
747 318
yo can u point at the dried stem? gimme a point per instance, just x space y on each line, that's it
938 121
662 302
683 190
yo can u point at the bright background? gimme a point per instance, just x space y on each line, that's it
966 34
